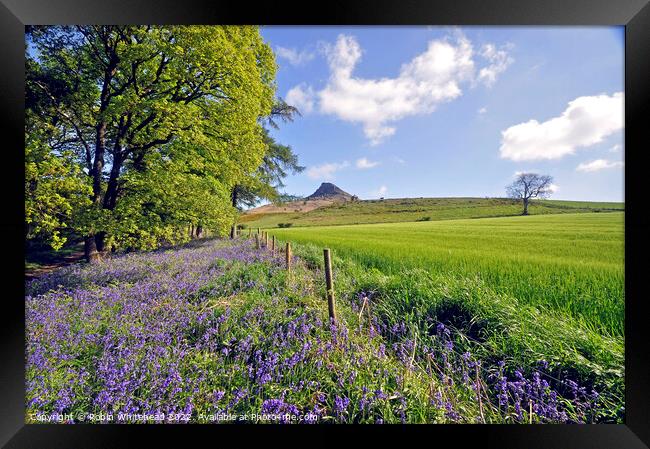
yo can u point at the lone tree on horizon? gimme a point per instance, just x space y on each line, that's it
529 185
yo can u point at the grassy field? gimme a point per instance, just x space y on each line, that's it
420 209
572 264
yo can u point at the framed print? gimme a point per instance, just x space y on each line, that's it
401 219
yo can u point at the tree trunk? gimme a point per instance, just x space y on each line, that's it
98 163
90 250
525 206
91 243
199 231
95 243
233 196
100 241
110 198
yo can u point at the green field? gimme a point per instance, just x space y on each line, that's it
572 264
421 209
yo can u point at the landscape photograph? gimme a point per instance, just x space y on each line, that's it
324 224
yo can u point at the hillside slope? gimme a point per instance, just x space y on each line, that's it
416 209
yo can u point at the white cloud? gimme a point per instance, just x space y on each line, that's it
483 110
521 172
399 160
616 148
294 57
364 163
553 188
499 60
302 97
598 164
326 171
585 122
428 80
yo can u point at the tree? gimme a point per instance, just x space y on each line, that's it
266 181
288 198
130 101
529 185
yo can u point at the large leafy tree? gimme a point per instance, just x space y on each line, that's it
164 121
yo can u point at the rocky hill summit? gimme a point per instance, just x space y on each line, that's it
326 195
327 190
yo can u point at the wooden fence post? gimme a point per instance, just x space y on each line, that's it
257 241
287 256
266 240
329 283
232 232
249 232
273 245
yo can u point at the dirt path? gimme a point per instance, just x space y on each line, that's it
33 273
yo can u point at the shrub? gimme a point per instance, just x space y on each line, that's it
424 219
285 225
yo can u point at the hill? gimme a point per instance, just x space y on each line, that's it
330 191
414 209
326 195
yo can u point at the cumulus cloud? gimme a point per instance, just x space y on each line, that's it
302 97
325 172
294 57
553 188
482 111
364 163
616 148
428 80
585 122
597 165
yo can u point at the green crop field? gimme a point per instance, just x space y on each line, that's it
572 264
421 209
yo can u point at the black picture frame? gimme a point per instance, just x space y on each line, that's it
633 14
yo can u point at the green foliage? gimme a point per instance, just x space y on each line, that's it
55 190
266 180
285 225
159 203
164 119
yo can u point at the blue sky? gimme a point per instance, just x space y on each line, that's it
440 111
